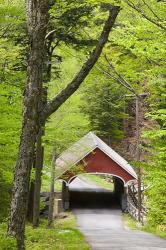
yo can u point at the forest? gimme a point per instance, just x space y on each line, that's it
67 68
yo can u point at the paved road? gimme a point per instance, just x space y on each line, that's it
104 229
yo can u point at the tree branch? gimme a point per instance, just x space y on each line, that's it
133 6
117 79
60 98
152 11
120 77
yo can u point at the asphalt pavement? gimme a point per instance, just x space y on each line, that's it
103 227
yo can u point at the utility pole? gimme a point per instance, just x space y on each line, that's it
138 156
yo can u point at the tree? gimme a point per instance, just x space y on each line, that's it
64 27
37 13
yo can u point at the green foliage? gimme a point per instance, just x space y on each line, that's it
11 83
69 18
156 177
156 170
103 102
6 243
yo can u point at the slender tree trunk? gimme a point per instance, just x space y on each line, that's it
30 202
51 201
37 15
138 158
38 173
39 165
29 214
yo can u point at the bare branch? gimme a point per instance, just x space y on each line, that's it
152 11
133 6
121 78
117 79
59 99
50 33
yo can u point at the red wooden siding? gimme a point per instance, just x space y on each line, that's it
98 162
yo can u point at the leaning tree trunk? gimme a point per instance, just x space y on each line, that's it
37 19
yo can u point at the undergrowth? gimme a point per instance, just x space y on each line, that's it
64 236
134 225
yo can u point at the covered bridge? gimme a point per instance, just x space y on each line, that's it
92 155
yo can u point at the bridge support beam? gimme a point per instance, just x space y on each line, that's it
65 196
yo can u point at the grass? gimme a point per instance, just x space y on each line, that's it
134 225
157 231
64 236
100 181
130 222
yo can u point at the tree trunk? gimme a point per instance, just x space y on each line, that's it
138 157
37 15
29 214
30 202
51 201
39 151
38 173
39 165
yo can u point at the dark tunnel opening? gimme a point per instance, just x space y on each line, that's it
93 199
97 198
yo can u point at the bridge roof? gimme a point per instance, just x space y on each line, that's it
85 146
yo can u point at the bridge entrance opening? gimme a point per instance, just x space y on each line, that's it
96 191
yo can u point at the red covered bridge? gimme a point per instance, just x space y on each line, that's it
95 156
